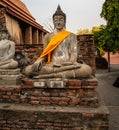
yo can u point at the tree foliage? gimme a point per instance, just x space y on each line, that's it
108 36
84 31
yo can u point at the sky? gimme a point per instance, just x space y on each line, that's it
81 14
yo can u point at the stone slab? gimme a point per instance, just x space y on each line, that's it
9 71
49 83
10 79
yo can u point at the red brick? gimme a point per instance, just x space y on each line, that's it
34 102
63 94
44 102
6 89
55 93
76 87
46 94
89 86
80 93
88 115
17 89
74 101
46 98
74 82
55 98
71 93
63 103
26 86
5 97
34 98
27 81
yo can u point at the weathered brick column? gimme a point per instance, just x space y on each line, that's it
35 36
86 50
28 35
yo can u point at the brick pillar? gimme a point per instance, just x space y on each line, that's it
35 36
86 50
41 35
2 17
28 35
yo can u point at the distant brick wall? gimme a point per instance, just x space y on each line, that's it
86 50
32 51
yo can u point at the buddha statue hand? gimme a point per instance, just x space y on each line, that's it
67 63
38 65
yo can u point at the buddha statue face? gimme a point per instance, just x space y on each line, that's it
59 19
59 22
4 33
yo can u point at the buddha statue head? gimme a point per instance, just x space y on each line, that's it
59 18
4 33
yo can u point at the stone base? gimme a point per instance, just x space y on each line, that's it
10 77
52 104
71 92
13 116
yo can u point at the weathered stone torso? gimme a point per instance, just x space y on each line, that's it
4 49
63 52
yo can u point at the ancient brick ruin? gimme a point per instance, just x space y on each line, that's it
43 105
51 104
19 22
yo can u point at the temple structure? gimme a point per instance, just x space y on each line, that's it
21 25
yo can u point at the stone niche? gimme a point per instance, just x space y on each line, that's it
54 104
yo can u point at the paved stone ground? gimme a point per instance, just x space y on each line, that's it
109 93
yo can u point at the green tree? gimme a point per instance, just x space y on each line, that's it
108 36
83 31
110 12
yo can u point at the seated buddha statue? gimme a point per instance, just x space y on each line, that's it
59 57
7 51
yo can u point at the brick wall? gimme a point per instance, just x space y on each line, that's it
32 51
73 106
16 117
74 93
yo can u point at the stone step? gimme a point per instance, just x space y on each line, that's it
10 77
16 116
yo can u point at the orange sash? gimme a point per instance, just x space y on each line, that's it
54 42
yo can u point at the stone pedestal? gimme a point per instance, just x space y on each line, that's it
53 104
10 77
15 116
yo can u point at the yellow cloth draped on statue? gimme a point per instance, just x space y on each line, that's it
54 42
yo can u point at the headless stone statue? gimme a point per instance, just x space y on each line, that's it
7 51
59 58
